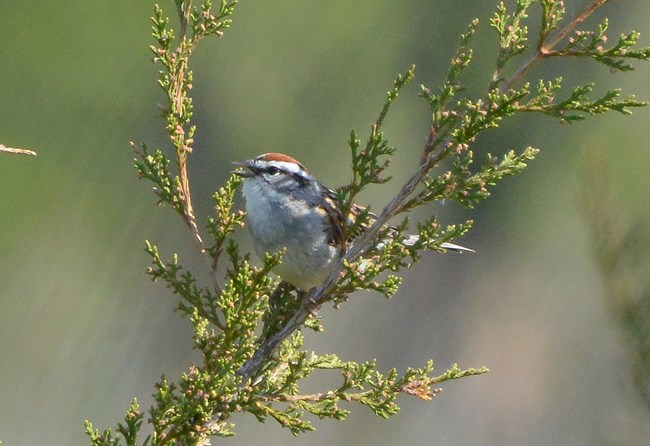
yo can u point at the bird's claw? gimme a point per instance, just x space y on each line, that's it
309 304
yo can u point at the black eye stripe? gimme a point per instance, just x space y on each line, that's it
302 181
275 170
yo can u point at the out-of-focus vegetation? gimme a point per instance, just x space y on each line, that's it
621 244
82 331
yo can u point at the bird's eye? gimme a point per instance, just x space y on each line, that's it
272 170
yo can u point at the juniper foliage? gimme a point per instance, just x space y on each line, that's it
247 325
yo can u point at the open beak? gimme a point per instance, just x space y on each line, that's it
243 169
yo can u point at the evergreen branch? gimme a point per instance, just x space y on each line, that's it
184 285
225 222
546 46
155 168
444 120
590 44
248 331
513 35
361 383
552 14
579 102
552 11
451 133
176 80
415 382
366 165
466 187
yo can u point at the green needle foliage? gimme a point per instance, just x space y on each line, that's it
247 324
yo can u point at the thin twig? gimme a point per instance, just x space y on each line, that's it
414 388
545 49
18 151
577 20
184 11
183 147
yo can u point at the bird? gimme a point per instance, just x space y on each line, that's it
289 208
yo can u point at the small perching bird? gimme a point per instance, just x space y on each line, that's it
288 208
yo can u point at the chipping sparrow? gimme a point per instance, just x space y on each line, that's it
289 208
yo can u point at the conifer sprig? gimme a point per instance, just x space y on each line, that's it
247 325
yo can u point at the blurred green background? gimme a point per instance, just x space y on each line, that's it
83 330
